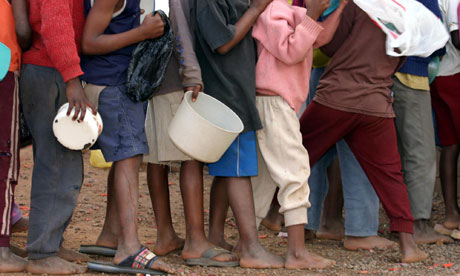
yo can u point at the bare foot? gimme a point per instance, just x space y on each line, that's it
165 247
367 243
423 233
309 235
452 222
255 256
439 228
332 231
9 262
18 251
21 226
225 245
107 239
409 250
160 265
195 250
273 221
304 259
54 265
72 256
221 242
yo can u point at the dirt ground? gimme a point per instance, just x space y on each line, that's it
89 216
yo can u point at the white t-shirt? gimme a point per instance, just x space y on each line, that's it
450 64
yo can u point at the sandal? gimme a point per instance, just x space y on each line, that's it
206 259
136 263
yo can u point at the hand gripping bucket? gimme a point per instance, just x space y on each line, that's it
76 135
204 129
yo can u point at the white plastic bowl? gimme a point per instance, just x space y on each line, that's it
204 129
76 135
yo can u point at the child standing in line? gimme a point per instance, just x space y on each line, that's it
285 38
15 34
225 50
353 101
183 74
446 105
111 32
49 78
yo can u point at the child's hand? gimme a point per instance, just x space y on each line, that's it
152 26
196 89
316 7
260 5
343 3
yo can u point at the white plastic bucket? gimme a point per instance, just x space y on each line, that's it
204 129
76 135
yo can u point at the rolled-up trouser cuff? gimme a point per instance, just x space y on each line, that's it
402 225
360 233
295 216
4 241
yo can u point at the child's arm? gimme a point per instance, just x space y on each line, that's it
330 25
276 31
21 20
59 39
189 67
95 42
233 33
342 32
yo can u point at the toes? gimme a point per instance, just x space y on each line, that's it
162 266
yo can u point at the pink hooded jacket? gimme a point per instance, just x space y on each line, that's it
285 38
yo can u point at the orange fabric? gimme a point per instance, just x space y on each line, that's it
8 34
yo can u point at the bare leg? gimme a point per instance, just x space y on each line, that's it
448 175
191 184
298 257
126 190
274 220
167 239
109 234
217 214
331 226
251 252
409 250
10 262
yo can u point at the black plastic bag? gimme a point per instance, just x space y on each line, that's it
148 64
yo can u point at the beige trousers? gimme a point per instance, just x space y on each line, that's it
283 162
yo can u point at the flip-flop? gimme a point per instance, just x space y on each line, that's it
98 250
206 259
134 264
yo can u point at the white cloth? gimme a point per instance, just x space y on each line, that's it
450 64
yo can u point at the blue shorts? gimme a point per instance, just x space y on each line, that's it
240 160
123 135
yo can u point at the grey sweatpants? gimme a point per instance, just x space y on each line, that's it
58 172
416 143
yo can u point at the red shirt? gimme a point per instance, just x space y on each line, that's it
57 29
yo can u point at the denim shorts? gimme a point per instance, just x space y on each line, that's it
240 160
123 135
